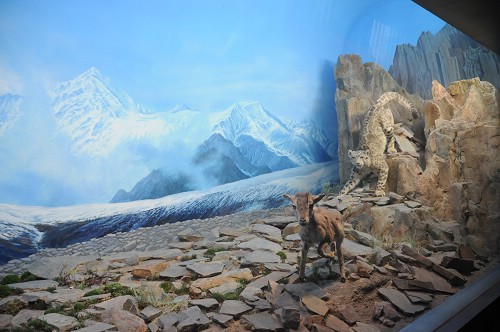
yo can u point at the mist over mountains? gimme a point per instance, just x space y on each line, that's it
99 145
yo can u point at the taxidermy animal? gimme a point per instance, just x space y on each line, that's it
376 139
320 226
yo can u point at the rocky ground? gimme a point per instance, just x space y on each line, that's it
238 273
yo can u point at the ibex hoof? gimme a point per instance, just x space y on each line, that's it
342 279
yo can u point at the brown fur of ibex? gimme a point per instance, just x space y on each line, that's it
318 226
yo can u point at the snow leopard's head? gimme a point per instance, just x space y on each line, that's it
359 158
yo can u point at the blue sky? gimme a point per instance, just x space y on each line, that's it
205 54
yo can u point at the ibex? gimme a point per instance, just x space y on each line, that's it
318 226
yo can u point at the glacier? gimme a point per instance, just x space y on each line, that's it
26 229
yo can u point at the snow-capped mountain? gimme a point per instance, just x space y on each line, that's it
264 139
24 230
222 162
98 119
10 110
158 183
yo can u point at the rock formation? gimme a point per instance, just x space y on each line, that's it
358 87
461 180
449 155
446 57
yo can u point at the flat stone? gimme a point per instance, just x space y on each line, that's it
232 232
289 317
464 266
173 272
181 245
97 327
61 322
365 238
413 204
352 249
150 313
24 316
125 302
401 302
264 281
347 313
363 327
207 283
315 305
293 237
222 319
258 257
125 321
35 285
192 319
262 321
65 295
53 267
280 221
207 303
270 232
454 277
419 297
336 324
207 269
382 257
168 320
308 288
260 244
234 308
228 287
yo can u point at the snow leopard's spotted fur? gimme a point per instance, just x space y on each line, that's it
376 137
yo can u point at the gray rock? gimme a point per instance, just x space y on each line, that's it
173 272
347 313
24 316
207 303
97 327
365 238
308 288
234 308
169 320
258 257
192 319
61 322
363 327
222 319
150 313
262 321
52 267
5 322
401 301
260 244
35 285
280 221
207 269
269 232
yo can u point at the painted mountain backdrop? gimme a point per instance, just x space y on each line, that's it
119 151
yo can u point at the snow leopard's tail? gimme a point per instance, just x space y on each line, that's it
389 96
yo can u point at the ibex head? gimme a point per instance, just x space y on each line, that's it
303 204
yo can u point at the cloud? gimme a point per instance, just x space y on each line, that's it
10 81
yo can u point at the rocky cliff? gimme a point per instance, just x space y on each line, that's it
358 86
447 56
448 157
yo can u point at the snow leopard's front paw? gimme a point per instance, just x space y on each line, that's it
379 193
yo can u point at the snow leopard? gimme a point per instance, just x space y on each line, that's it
376 139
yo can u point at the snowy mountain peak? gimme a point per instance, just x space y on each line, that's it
9 110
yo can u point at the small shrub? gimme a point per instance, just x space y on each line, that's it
218 296
117 289
27 276
93 292
79 306
167 286
282 255
10 279
184 289
188 257
5 291
39 325
210 253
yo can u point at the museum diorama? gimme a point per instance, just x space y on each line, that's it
364 200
